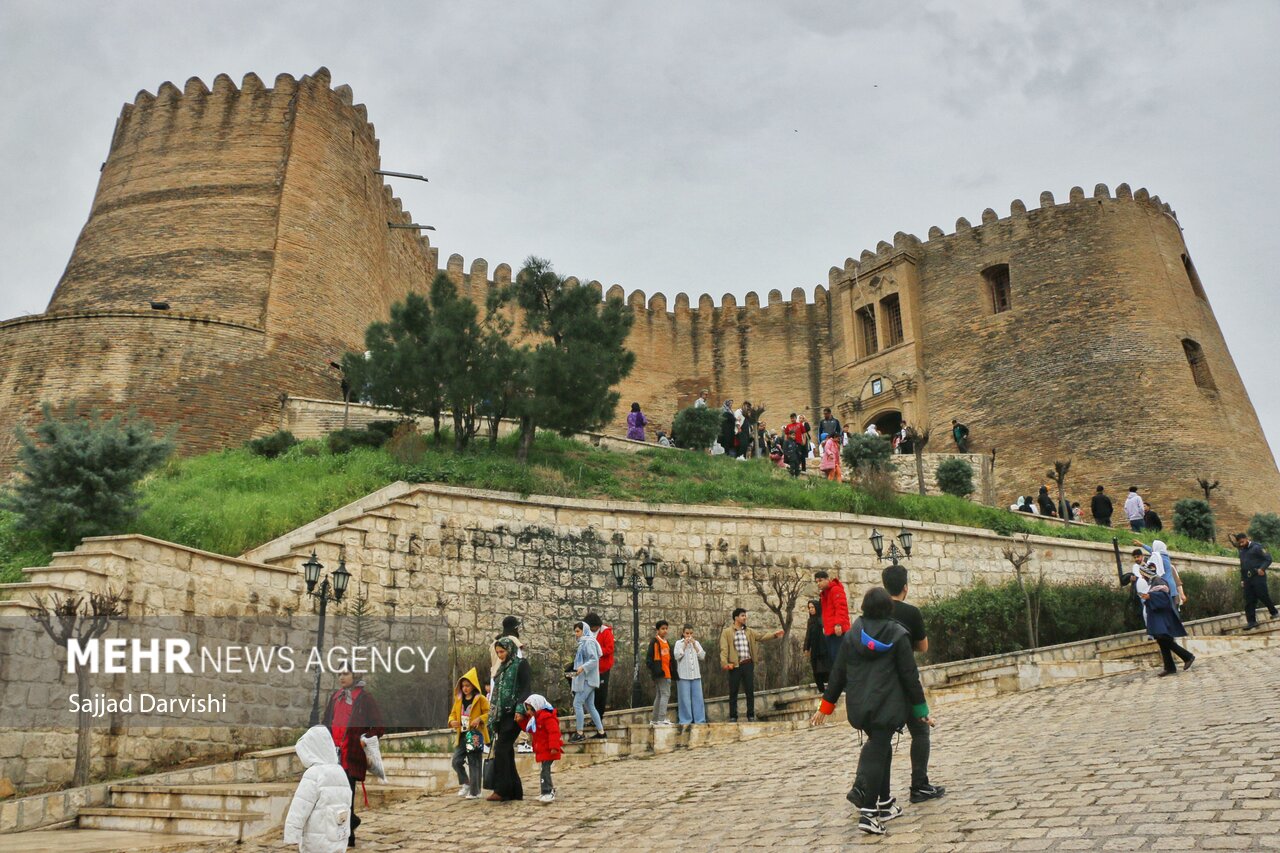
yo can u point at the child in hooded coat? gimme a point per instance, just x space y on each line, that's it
540 721
471 706
319 815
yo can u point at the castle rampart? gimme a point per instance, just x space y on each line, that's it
1075 330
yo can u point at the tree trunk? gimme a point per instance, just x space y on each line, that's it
1031 622
1062 503
784 659
527 431
459 434
493 432
80 776
920 472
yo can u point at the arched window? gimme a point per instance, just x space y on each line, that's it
867 326
1199 364
891 310
997 278
1192 277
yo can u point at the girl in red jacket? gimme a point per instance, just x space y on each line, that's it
540 721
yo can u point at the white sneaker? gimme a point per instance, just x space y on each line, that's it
472 797
462 792
663 723
524 747
548 798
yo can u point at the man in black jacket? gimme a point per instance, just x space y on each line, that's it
908 616
1254 562
1101 508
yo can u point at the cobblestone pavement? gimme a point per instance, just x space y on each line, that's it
1130 762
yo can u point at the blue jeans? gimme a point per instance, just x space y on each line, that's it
689 705
1136 525
586 697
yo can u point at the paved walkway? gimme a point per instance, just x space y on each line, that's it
1130 762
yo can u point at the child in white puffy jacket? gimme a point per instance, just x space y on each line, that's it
319 816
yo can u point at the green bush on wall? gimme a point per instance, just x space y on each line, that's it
955 477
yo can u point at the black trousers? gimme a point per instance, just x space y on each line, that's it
874 763
919 753
821 672
506 780
742 677
602 695
1255 593
1168 648
355 819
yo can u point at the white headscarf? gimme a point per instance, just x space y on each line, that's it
1158 548
537 702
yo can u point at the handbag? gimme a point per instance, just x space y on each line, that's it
486 775
373 758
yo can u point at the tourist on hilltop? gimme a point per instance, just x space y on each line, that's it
1163 624
690 707
538 720
806 445
663 440
901 440
909 616
469 717
835 611
877 672
1018 505
815 645
960 435
701 402
585 679
1101 507
1045 503
510 690
317 818
872 429
1150 520
1134 510
792 456
662 670
636 422
830 463
1077 514
350 714
798 432
828 425
739 651
728 428
604 636
1254 562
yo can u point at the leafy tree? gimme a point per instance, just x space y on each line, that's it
1265 527
1193 517
868 453
955 477
399 368
696 428
80 474
582 355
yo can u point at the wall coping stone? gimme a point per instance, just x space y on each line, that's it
138 537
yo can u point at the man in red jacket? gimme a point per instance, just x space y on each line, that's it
604 636
835 611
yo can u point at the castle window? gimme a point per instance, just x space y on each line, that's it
891 309
1199 365
1192 277
867 322
997 278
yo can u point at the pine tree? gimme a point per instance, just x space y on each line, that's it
398 368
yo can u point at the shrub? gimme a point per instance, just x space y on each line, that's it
386 429
1193 517
696 428
346 440
955 477
407 446
871 452
1265 527
271 446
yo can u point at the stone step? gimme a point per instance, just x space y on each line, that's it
73 575
208 822
31 590
91 555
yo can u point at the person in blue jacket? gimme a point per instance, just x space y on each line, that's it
1163 624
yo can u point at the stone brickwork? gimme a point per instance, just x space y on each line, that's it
259 208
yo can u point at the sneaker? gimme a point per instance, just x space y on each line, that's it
1186 664
472 797
599 736
548 798
663 723
576 737
888 809
524 747
869 824
463 791
928 792
751 719
1250 627
1167 672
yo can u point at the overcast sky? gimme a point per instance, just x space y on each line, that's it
705 147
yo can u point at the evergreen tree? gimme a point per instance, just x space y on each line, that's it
955 477
459 348
571 372
696 428
1193 517
399 369
1265 527
79 475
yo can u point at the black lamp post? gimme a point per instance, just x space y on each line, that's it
894 554
649 567
311 571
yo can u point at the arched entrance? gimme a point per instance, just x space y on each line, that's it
886 422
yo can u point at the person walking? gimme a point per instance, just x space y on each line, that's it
909 616
585 680
317 820
830 464
636 422
690 708
1254 562
877 673
1134 510
815 645
835 611
1163 624
510 690
350 714
1101 508
739 651
658 659
543 727
960 435
1168 570
469 717
829 425
604 636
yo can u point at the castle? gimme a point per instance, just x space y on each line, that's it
241 239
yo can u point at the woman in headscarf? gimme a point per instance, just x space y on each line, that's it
586 678
636 422
510 689
1159 551
1163 624
1046 503
350 714
815 645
